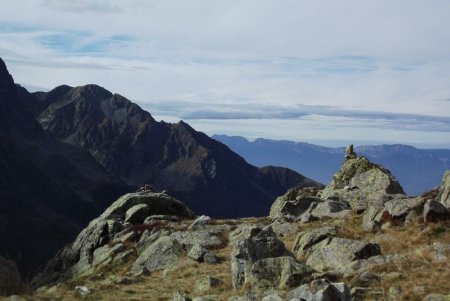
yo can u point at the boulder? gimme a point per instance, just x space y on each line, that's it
361 182
293 204
114 223
321 290
283 228
200 254
329 209
179 297
400 207
204 237
436 297
137 214
82 290
306 240
259 244
205 284
434 210
197 252
9 276
244 231
336 253
373 216
444 193
278 273
272 297
160 255
158 204
200 222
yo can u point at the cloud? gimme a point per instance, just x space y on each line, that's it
83 6
256 59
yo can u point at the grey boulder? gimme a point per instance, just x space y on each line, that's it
306 240
163 253
259 244
336 253
321 290
278 273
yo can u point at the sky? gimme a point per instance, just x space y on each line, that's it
327 72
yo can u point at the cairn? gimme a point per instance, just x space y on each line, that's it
349 153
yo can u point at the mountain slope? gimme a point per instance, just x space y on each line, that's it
129 143
48 190
418 170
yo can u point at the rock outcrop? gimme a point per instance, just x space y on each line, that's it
337 253
258 244
360 183
101 242
303 204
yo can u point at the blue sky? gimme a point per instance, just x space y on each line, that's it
330 72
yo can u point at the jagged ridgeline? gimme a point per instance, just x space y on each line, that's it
66 155
359 238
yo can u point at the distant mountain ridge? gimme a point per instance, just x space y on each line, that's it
418 170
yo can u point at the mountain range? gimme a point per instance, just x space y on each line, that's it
67 154
418 170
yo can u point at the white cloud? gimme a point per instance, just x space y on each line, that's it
384 56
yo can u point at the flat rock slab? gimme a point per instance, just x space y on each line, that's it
160 255
278 273
336 253
305 240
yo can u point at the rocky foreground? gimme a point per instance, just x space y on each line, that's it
360 238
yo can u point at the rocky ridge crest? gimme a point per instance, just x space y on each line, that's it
339 252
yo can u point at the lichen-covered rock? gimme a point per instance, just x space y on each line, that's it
9 276
373 217
205 284
306 240
137 214
293 204
200 222
158 204
278 273
436 297
179 297
113 224
336 253
400 207
434 210
197 252
162 254
444 193
321 290
208 238
331 209
361 182
259 244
